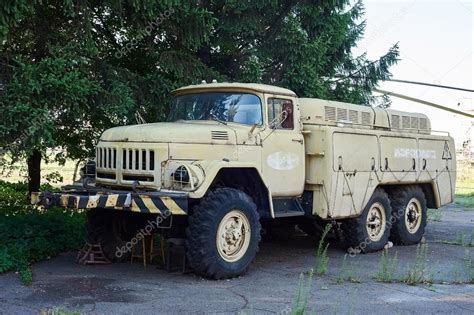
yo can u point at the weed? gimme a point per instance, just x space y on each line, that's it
434 215
322 259
460 239
465 201
300 300
387 267
58 311
468 264
346 274
417 273
471 243
457 278
26 276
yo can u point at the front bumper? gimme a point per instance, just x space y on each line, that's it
143 202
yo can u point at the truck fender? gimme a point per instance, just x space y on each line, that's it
213 171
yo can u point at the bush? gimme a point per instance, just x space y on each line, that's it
29 235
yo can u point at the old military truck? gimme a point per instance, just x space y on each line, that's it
234 156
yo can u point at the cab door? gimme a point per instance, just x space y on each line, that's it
283 153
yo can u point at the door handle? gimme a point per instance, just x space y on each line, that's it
297 140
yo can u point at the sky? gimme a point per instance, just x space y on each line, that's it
436 46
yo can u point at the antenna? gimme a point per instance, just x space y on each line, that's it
417 100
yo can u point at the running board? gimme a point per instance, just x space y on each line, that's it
287 207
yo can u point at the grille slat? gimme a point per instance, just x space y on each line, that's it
414 123
219 135
152 160
396 121
354 116
342 114
366 118
405 122
137 160
330 113
423 123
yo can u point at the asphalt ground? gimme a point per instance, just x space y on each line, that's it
271 284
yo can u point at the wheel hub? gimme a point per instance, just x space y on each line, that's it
376 222
413 215
233 236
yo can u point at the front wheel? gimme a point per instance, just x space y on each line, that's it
223 234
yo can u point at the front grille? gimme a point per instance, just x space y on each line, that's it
106 158
123 166
140 178
138 160
106 175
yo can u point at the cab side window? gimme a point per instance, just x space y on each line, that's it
280 113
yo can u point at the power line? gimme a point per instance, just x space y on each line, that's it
417 100
431 84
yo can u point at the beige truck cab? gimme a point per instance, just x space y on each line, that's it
236 159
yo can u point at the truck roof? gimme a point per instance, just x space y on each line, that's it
237 86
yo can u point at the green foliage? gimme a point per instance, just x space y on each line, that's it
28 235
417 272
387 267
471 243
322 259
69 70
346 273
26 275
59 311
435 215
469 267
460 239
302 294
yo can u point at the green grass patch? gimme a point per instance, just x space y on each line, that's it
465 200
29 235
302 295
346 273
460 240
387 267
434 215
417 273
465 187
58 311
322 259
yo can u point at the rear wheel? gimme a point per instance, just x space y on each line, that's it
223 234
409 215
371 230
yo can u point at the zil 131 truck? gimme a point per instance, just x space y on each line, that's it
234 157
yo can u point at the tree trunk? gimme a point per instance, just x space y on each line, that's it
34 171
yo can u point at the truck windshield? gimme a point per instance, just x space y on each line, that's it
240 108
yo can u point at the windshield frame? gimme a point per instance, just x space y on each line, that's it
260 99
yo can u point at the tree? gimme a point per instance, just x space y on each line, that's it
69 70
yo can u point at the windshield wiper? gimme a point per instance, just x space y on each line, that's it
213 117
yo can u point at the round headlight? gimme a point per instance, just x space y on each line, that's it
181 175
